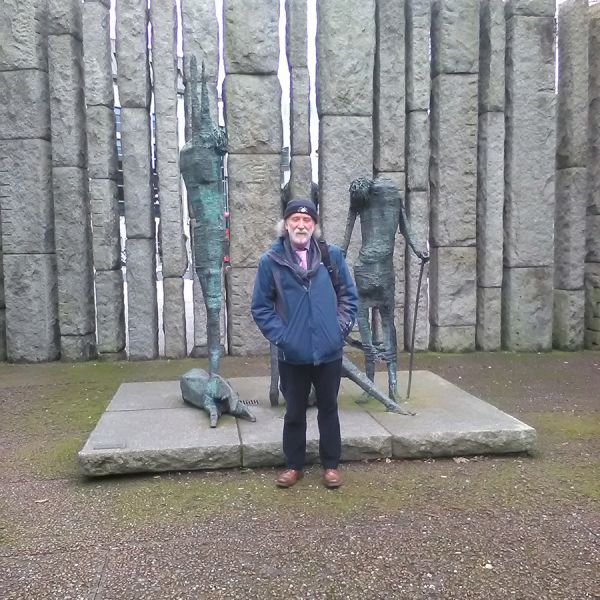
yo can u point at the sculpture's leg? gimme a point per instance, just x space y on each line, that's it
364 329
390 344
210 281
274 389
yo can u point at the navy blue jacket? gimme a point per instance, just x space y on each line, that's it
298 310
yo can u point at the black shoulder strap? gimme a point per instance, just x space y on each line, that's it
329 265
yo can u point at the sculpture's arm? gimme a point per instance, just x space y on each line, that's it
406 230
348 233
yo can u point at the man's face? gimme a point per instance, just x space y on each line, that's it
300 228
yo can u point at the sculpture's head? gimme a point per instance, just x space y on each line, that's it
360 189
300 219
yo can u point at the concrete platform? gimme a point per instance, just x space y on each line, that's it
148 428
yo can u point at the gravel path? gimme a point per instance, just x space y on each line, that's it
523 527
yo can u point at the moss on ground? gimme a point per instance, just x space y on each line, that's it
51 459
565 426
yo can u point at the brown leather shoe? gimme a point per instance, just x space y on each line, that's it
289 477
331 478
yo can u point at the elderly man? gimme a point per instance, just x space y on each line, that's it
297 308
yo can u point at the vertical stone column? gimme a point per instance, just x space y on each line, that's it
72 230
102 171
345 62
592 260
172 242
490 174
134 93
571 175
527 298
389 122
253 111
301 171
453 175
26 211
2 300
418 89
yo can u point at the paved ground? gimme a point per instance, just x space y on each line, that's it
513 527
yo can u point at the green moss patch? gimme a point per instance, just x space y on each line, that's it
565 426
51 459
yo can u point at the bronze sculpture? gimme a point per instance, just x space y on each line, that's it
201 165
379 205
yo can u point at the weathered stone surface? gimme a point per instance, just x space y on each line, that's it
453 175
24 105
345 57
67 101
200 39
110 311
490 199
530 8
488 334
345 152
594 111
573 79
174 318
101 141
134 441
142 310
26 197
299 111
164 59
2 334
73 241
527 300
418 150
244 336
492 47
253 110
569 228
133 76
453 338
252 49
530 142
593 239
592 293
78 348
452 285
568 319
417 209
418 71
97 54
455 36
22 28
254 205
389 87
105 224
172 240
31 307
296 12
64 17
301 176
135 136
450 422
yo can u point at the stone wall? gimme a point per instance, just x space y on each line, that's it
436 95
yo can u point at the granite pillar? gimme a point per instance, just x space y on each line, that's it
530 149
102 171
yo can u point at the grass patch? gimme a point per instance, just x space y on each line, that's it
565 426
583 478
51 459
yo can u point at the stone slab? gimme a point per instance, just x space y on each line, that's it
492 47
455 36
78 348
594 110
573 81
453 174
101 140
64 17
97 54
255 48
453 338
569 321
173 317
345 57
417 150
593 238
110 311
531 8
300 176
418 70
22 33
104 210
296 34
253 114
299 111
148 428
2 334
488 334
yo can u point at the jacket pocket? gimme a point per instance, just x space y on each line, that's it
295 342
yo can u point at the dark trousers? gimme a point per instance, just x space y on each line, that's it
296 381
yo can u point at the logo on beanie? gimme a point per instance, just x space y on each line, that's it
303 209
